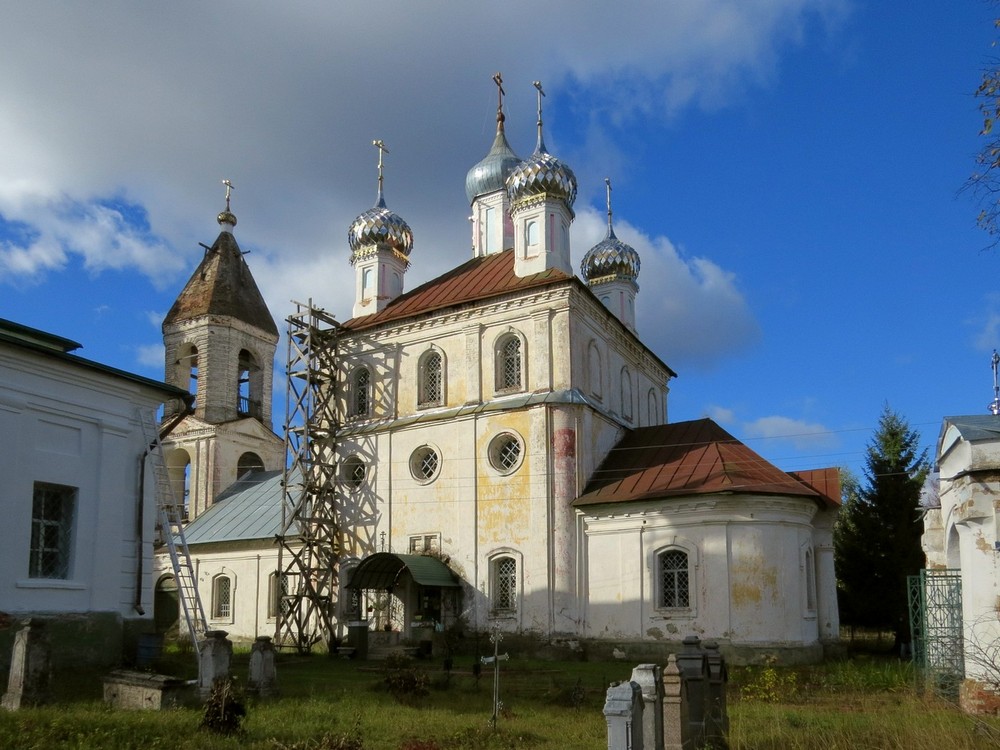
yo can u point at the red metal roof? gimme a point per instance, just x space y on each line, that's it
825 481
690 458
476 279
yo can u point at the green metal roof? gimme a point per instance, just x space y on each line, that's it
383 569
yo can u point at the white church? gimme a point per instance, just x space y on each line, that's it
503 444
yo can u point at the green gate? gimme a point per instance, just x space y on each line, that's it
935 598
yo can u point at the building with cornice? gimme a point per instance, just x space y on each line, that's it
503 453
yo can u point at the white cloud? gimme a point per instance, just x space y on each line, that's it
150 105
720 414
150 355
802 435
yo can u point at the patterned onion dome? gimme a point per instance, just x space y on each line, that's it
610 257
380 226
542 173
492 172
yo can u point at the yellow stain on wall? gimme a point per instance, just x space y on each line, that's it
753 580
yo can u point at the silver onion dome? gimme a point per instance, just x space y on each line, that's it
610 257
380 227
491 174
542 172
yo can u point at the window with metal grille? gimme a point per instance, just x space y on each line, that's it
53 511
353 472
424 463
810 571
277 600
509 370
504 584
222 592
505 453
431 381
362 390
674 579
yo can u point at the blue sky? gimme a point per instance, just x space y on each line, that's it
789 170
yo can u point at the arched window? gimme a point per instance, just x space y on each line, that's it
187 369
810 574
277 594
509 363
362 389
675 579
503 573
531 233
367 283
431 379
626 382
222 597
250 386
249 461
178 463
595 370
653 406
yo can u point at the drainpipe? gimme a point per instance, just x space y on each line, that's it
141 499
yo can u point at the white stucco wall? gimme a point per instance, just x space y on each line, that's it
68 425
747 564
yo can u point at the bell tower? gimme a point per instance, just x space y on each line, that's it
219 340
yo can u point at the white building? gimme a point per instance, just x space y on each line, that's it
486 420
78 517
962 537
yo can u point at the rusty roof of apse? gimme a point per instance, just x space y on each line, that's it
222 285
474 280
693 458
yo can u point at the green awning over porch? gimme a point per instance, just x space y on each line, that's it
383 569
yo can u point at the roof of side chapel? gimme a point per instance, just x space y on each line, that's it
696 458
222 285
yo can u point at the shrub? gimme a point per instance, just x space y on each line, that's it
224 709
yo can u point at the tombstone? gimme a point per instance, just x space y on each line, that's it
694 676
623 712
213 663
716 713
28 684
263 674
649 678
675 709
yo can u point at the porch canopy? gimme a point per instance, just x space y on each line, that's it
383 569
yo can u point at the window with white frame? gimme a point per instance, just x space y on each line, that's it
810 574
53 517
353 472
675 579
277 594
509 359
431 379
425 464
421 543
362 388
222 597
505 452
504 584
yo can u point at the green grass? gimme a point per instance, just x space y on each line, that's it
331 704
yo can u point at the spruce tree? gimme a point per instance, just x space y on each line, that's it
877 536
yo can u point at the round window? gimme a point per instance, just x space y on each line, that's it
424 463
505 453
353 472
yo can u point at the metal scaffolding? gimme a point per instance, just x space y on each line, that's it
309 544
